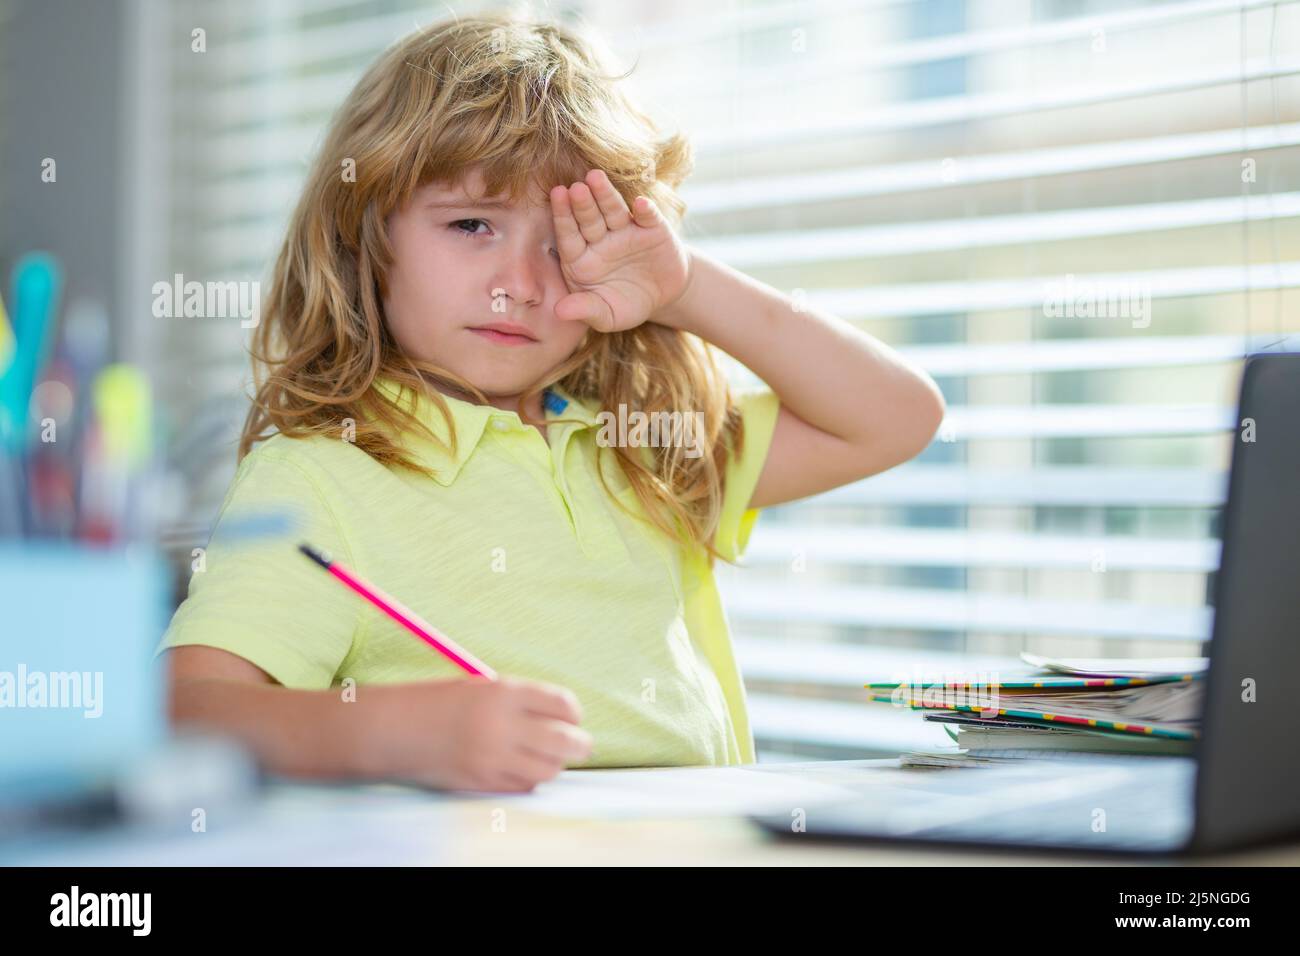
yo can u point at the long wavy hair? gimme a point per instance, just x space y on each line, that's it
527 103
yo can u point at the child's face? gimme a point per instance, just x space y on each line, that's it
453 258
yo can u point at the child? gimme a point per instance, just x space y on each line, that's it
452 339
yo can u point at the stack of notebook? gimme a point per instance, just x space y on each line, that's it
1058 708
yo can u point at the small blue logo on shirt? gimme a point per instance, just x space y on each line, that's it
553 402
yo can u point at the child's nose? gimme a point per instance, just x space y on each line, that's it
523 275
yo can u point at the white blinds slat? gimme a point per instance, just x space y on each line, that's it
831 547
933 609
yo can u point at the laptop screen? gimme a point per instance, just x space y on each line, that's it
1248 773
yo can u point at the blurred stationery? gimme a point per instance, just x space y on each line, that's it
6 339
25 342
117 455
77 685
1060 708
63 405
82 713
78 447
35 289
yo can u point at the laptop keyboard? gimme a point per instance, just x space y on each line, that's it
1139 803
1133 817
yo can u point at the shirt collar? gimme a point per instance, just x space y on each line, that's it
470 421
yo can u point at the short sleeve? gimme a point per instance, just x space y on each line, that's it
758 409
254 594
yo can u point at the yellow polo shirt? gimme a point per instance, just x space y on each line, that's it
514 551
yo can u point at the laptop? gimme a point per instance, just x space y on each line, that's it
1241 785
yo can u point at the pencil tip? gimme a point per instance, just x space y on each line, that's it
318 556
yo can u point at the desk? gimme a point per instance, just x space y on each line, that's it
328 824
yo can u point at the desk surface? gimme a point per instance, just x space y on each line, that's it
481 835
583 817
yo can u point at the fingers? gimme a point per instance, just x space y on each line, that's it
556 740
513 783
586 211
550 700
586 307
608 199
568 238
590 220
645 212
543 752
534 766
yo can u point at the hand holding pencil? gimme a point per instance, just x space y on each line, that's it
494 734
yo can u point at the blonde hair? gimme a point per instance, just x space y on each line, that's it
526 103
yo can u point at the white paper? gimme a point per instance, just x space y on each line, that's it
1118 666
673 792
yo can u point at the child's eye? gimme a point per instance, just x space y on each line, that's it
460 222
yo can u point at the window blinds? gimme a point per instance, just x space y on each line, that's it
985 185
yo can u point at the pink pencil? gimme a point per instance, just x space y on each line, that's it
403 615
